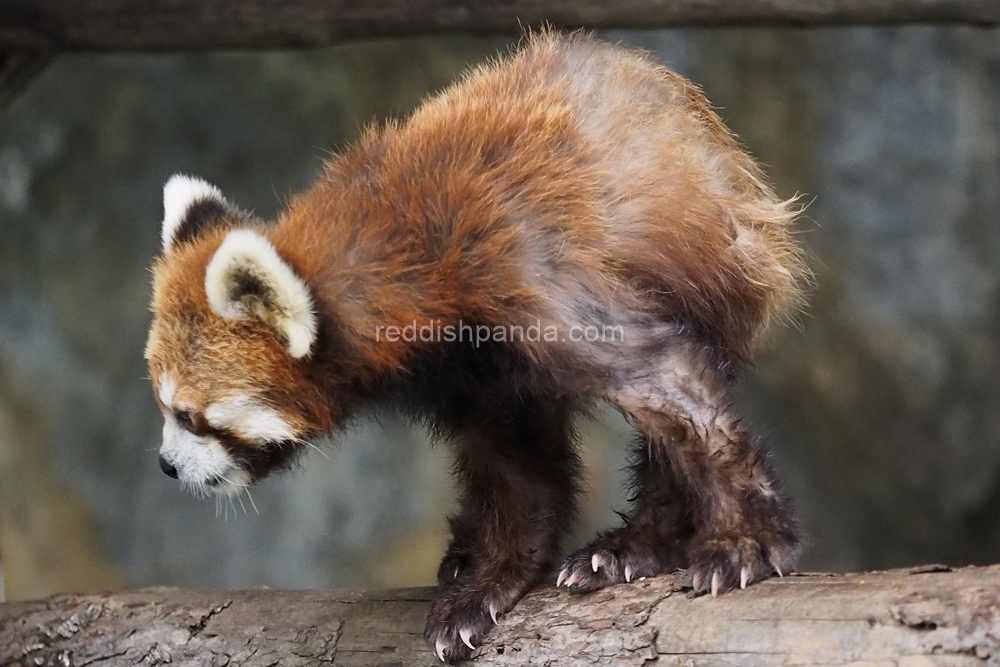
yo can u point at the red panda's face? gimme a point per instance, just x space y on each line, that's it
234 405
229 346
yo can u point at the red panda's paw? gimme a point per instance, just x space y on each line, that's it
461 616
723 562
618 556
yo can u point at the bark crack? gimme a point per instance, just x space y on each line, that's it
205 618
100 658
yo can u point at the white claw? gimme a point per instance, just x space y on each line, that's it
628 573
595 562
466 635
744 577
493 612
716 582
439 649
778 570
562 576
571 580
696 582
455 576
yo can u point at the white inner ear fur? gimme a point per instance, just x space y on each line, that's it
286 304
179 194
246 417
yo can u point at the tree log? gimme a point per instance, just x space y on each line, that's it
914 618
200 24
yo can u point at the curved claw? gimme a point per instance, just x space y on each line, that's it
596 562
439 649
716 582
493 613
744 577
628 573
562 576
466 635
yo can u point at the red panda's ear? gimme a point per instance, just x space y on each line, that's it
191 205
247 278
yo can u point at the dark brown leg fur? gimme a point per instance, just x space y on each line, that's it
653 537
707 499
744 531
517 469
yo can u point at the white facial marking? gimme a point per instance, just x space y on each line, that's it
179 194
168 389
290 306
202 463
249 419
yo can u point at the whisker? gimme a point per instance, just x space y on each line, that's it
309 444
252 503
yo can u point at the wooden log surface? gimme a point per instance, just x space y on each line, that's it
904 618
60 25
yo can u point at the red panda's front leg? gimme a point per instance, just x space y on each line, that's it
518 473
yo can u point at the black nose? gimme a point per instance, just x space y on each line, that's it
167 468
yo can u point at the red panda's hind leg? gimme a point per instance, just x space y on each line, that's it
705 497
744 530
517 470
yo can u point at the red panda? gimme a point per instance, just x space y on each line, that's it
569 225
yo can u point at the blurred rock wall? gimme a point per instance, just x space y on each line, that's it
887 406
882 408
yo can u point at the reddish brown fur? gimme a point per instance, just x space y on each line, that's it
452 200
571 183
217 357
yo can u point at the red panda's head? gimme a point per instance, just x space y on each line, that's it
234 328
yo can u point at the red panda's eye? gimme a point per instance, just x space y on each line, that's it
183 419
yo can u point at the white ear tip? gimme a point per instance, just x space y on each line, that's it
299 339
180 184
179 193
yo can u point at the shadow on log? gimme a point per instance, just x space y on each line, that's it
907 618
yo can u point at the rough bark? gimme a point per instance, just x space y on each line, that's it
918 617
200 24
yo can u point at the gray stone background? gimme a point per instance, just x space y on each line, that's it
883 408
